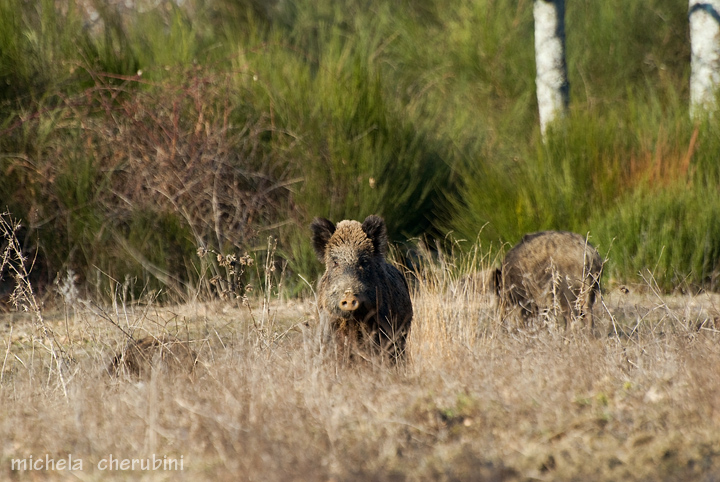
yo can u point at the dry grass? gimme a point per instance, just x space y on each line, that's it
472 402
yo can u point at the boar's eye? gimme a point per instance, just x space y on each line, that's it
335 263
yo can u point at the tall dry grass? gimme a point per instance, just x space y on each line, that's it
471 402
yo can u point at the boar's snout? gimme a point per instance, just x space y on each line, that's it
349 301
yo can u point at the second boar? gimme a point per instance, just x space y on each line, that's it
550 269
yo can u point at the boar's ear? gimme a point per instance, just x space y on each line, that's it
374 227
322 230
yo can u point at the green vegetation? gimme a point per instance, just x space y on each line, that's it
128 142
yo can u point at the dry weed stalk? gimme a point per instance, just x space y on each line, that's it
231 281
229 276
23 297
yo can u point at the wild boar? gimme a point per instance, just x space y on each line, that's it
547 270
361 296
138 357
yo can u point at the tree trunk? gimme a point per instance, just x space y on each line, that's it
553 89
705 58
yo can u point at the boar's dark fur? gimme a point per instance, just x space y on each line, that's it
550 269
361 297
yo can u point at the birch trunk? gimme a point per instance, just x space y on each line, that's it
704 19
553 89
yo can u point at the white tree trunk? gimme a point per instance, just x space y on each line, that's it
553 89
705 59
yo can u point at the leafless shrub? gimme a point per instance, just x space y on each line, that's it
170 166
182 152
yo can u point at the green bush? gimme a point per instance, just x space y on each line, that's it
127 143
671 236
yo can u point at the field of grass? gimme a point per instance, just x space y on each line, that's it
639 400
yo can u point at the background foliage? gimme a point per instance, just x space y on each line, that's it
130 139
